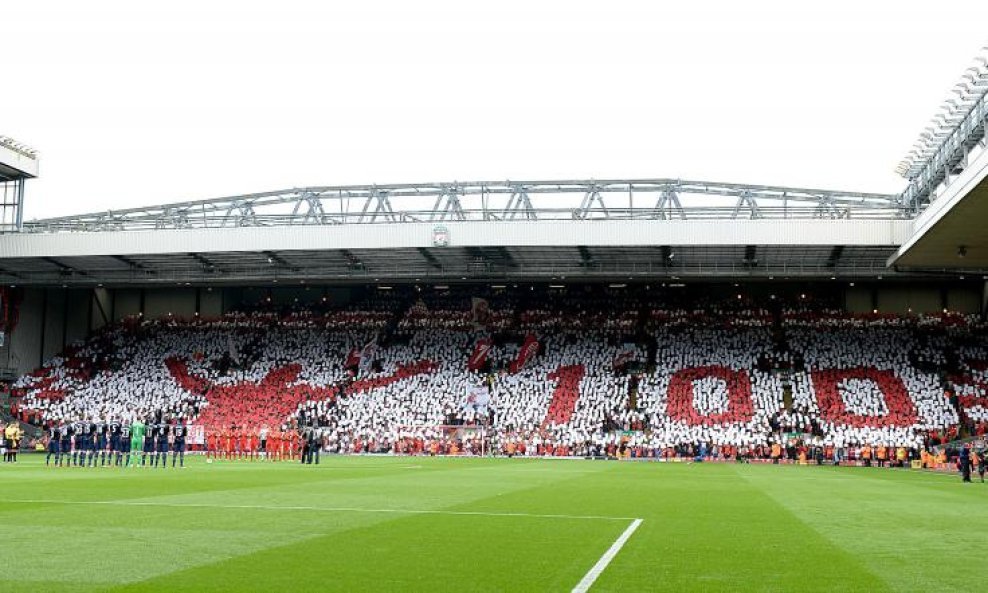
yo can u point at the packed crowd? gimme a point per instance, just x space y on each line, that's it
555 375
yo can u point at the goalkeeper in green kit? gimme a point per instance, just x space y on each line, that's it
137 429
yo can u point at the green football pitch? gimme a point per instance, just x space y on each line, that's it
423 524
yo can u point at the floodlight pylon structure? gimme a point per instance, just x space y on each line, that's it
954 135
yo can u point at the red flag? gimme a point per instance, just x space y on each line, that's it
352 359
529 348
623 358
480 352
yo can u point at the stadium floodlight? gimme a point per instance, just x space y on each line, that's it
924 164
959 106
944 120
936 132
976 79
972 84
18 147
966 94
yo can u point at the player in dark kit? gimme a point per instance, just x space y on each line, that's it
123 447
102 433
91 450
179 432
113 430
80 430
78 442
64 444
82 436
148 443
54 437
162 430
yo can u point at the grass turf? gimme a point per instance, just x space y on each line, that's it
357 524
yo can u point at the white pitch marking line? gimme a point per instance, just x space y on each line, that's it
588 579
325 509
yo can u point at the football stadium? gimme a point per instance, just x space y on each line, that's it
619 384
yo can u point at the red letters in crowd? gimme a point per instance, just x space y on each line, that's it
969 402
404 371
565 394
278 394
901 410
268 402
681 406
740 408
275 397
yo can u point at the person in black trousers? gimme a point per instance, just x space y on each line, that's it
315 444
305 437
964 460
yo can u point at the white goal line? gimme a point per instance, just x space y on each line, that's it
595 571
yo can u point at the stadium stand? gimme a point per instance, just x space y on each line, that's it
567 373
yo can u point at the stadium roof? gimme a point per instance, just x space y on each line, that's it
17 161
452 264
954 136
951 232
579 229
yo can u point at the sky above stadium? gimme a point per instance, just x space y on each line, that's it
133 105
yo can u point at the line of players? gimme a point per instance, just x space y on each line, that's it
116 443
240 443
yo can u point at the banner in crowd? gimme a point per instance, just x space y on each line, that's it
367 355
480 352
529 348
477 399
197 434
231 346
481 312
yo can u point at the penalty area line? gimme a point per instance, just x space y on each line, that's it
588 579
130 503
